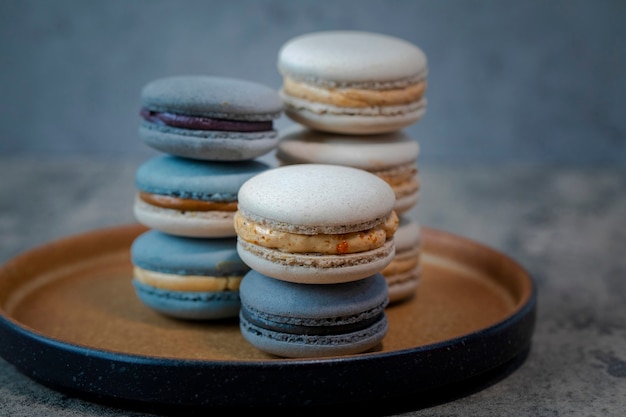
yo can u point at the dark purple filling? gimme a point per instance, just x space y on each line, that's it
204 123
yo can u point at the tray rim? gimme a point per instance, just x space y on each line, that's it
523 317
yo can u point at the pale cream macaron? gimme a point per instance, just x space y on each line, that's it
353 82
392 157
403 272
315 223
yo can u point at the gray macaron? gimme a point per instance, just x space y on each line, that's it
313 320
209 118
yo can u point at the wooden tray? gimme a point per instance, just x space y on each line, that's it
69 318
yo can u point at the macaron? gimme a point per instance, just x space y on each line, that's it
192 198
390 156
188 278
353 82
315 223
209 118
294 320
403 273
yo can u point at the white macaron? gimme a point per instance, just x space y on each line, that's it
315 223
353 82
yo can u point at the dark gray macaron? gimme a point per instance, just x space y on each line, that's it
209 118
313 320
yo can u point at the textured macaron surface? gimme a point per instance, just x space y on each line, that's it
408 235
216 97
165 253
351 57
312 304
375 152
322 198
196 179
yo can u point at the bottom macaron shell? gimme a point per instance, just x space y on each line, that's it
353 123
302 346
315 269
209 145
189 224
189 305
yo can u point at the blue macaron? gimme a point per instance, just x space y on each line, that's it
209 118
193 198
187 278
313 320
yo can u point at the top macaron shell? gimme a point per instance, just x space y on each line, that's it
201 180
161 252
211 97
317 198
323 62
371 153
352 58
210 181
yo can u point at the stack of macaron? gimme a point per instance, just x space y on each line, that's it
316 238
210 132
351 95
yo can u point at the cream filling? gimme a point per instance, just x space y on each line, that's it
186 204
295 103
354 97
406 188
186 282
354 242
397 174
206 215
403 180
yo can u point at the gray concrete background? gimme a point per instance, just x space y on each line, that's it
510 81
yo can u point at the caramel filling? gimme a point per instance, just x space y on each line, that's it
354 97
186 204
186 282
327 244
403 182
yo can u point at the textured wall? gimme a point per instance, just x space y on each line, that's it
529 81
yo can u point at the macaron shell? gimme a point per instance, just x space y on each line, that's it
198 180
219 97
208 145
303 346
324 198
348 57
352 124
408 235
161 252
371 153
189 305
406 203
208 224
292 301
315 269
